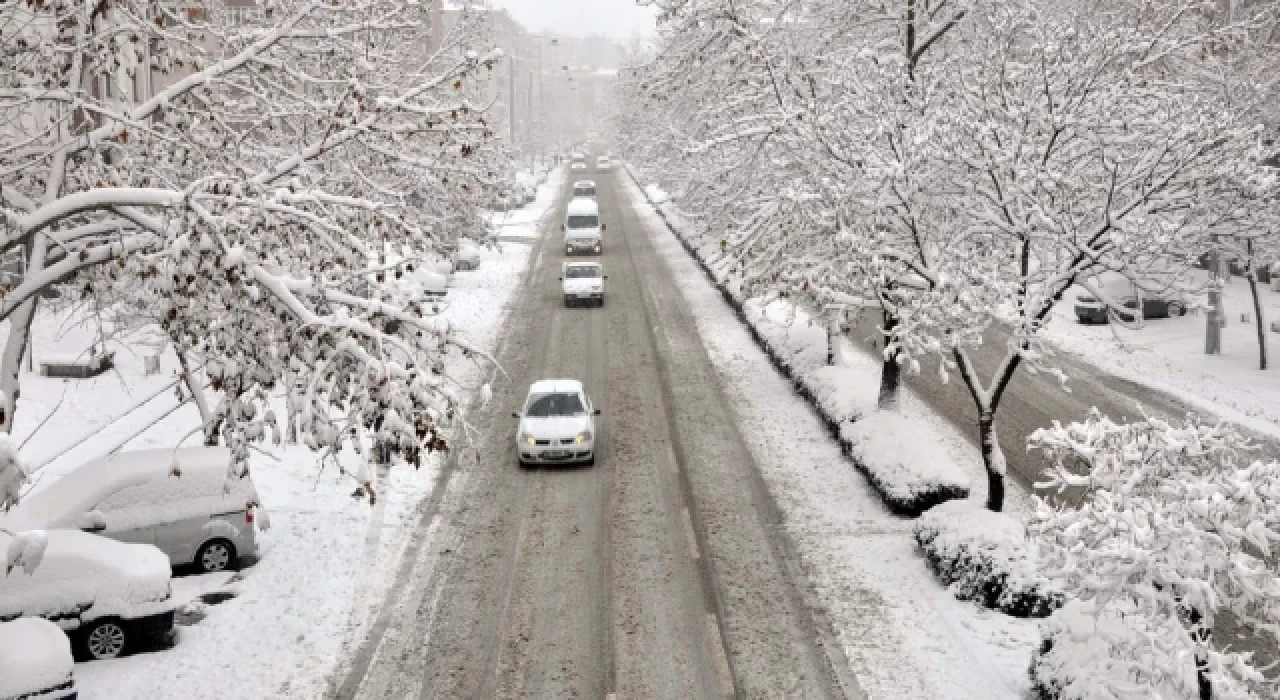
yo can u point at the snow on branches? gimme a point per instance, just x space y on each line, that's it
234 178
1174 529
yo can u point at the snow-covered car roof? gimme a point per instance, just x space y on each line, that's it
62 501
584 183
35 656
77 568
556 386
582 263
582 207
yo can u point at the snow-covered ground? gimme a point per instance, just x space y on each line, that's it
326 560
524 223
905 635
1168 354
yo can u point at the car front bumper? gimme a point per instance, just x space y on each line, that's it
557 454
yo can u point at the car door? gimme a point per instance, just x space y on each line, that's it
128 514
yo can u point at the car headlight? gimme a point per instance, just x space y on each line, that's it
583 436
528 439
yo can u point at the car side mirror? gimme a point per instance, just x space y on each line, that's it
605 277
560 278
561 227
595 412
603 227
93 521
515 415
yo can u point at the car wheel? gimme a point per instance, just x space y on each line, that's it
214 556
103 639
591 462
1176 308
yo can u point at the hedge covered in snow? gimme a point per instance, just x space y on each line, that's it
984 556
908 465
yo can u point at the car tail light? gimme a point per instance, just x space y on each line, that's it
248 516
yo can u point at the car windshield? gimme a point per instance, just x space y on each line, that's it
548 405
584 221
582 272
584 192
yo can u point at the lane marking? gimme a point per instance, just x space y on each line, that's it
720 653
688 533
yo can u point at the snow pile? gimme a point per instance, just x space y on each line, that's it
35 656
911 466
985 556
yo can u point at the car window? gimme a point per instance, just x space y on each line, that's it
559 404
584 192
584 221
582 272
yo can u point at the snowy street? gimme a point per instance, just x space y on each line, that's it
640 349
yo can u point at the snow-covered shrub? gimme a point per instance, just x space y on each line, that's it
910 469
984 556
1174 527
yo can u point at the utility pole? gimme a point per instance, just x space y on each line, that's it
1216 318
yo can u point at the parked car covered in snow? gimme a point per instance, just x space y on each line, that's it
583 283
1158 299
184 501
35 661
109 597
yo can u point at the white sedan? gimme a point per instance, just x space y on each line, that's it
557 425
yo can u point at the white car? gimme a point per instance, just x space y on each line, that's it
35 661
583 283
557 425
583 228
109 597
603 163
584 189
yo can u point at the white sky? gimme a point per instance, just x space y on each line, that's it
620 19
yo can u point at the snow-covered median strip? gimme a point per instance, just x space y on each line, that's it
904 634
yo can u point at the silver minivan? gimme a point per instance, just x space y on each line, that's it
186 502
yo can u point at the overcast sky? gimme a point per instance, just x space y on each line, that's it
615 18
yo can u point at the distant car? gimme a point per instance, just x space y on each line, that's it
583 228
468 255
1158 300
183 501
584 189
35 661
583 283
109 597
603 163
557 425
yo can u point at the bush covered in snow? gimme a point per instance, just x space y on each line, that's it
908 467
984 556
1174 528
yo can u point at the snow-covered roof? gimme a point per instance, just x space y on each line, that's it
62 502
583 207
584 183
581 263
35 655
556 386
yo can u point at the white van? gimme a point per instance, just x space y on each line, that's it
582 228
182 501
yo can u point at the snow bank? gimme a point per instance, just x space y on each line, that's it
911 466
984 556
35 656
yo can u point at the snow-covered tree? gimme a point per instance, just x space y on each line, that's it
236 177
1176 523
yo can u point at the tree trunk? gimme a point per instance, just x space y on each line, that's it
197 395
993 459
890 369
19 337
1257 313
833 337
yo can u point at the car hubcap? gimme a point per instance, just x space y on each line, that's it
216 557
106 641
